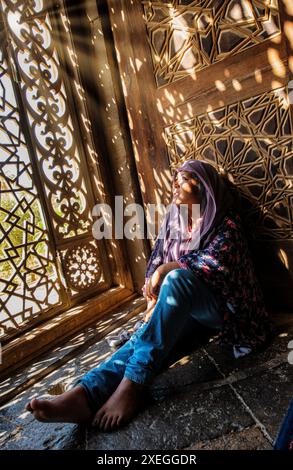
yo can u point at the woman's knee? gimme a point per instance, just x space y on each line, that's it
178 280
177 275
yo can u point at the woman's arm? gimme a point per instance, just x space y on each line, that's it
215 261
152 286
156 258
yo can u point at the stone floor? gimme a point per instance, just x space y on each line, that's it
205 400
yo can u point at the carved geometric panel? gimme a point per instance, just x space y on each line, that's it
43 170
82 267
47 106
29 282
186 36
252 141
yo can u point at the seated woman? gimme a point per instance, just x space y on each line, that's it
212 284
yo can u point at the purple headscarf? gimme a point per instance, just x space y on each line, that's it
218 199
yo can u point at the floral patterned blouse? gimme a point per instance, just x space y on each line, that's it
225 265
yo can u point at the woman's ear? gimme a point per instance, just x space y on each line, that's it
195 185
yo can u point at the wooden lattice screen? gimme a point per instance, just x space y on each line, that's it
210 80
48 257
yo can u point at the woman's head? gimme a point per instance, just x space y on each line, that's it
201 182
187 188
195 182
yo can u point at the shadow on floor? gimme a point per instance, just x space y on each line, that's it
205 399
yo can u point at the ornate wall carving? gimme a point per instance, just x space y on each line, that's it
252 141
46 194
29 281
187 36
46 102
81 266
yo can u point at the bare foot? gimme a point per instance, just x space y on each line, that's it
70 407
121 407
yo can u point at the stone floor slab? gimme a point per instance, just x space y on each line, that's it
176 422
248 439
196 401
268 396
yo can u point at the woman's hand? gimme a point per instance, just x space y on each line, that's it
151 288
155 281
149 311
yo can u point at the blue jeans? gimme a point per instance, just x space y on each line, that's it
284 440
183 302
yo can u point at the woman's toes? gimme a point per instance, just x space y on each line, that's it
103 422
115 421
28 407
34 404
108 425
97 419
119 421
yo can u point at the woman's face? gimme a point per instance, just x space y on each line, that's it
185 189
